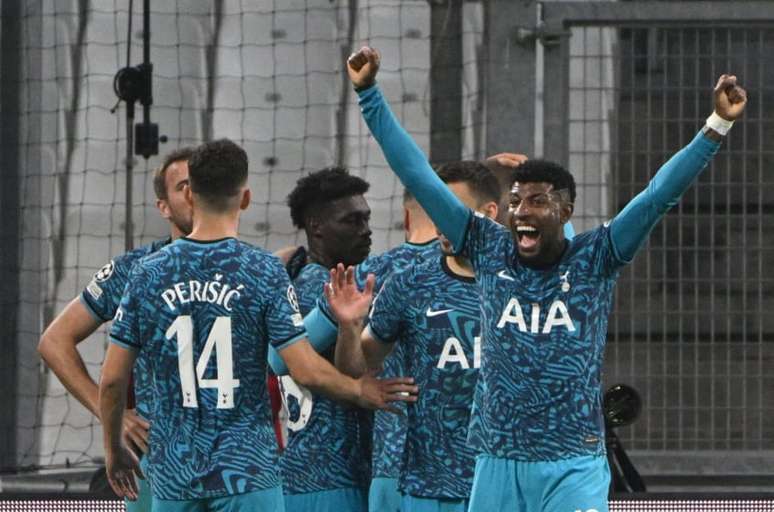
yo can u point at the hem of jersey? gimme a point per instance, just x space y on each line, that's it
327 489
366 92
289 341
375 335
123 343
433 497
92 311
445 267
219 494
458 250
206 242
601 453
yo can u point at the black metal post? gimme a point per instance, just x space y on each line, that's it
10 55
445 80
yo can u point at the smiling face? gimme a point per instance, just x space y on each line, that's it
536 217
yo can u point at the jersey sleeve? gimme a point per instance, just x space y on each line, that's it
126 330
631 227
282 317
412 168
102 295
483 236
385 321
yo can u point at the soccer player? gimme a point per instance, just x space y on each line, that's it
326 463
545 306
200 313
98 303
432 311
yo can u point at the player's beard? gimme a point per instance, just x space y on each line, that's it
182 222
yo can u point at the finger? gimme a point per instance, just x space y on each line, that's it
341 276
139 440
370 285
349 276
116 487
141 422
398 380
401 397
402 389
132 486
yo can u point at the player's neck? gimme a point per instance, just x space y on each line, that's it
211 226
421 234
460 266
317 255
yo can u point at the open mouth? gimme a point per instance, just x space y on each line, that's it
528 238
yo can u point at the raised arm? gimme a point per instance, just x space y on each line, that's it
630 228
404 156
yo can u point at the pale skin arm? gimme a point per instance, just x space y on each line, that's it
312 371
357 352
120 462
58 348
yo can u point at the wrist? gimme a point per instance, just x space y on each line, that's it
718 124
365 85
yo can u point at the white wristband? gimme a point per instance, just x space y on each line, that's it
719 124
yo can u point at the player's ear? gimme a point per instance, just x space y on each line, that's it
246 196
163 207
490 209
566 210
188 194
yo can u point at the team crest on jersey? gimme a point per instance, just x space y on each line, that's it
565 280
293 299
104 273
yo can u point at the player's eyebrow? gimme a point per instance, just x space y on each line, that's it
181 184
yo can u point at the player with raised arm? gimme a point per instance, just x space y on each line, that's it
545 306
98 303
432 312
201 313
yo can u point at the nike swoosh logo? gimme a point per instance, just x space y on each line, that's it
504 275
431 313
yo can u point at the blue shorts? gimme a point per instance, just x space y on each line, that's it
580 483
268 500
411 503
383 496
144 496
350 499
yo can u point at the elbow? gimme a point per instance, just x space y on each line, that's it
46 347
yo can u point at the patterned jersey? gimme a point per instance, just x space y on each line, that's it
201 315
328 441
389 431
103 295
434 315
543 342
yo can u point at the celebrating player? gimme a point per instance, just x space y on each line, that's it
432 311
545 307
200 313
98 303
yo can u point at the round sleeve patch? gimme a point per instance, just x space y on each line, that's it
105 272
293 299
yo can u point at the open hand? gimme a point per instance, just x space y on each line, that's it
347 303
135 430
121 466
362 67
379 393
730 98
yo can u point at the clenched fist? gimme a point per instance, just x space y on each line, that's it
362 67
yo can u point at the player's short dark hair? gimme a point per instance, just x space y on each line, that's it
217 170
482 181
160 174
543 171
320 188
